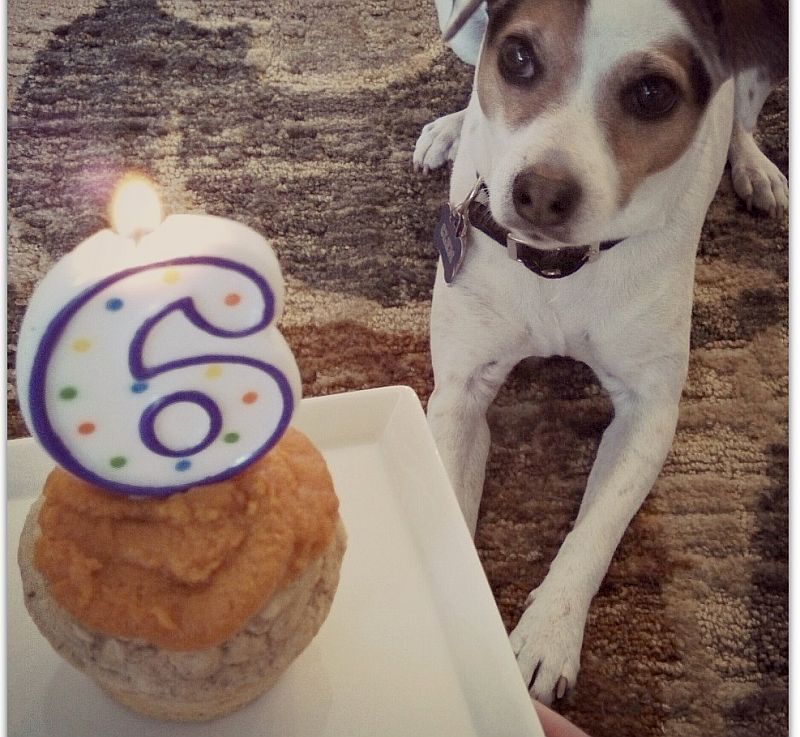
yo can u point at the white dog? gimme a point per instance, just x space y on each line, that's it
589 152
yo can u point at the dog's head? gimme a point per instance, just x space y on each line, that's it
590 107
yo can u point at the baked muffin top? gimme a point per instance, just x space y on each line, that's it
187 571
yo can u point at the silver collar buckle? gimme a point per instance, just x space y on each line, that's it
550 263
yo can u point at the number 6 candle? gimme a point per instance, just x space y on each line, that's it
148 359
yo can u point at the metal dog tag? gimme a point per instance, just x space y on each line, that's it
450 235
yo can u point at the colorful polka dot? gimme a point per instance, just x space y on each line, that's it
232 299
86 428
250 397
68 392
114 304
213 372
171 276
118 461
231 437
81 345
183 465
139 387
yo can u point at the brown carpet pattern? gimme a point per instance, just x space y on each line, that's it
299 119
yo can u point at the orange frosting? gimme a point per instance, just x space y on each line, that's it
187 571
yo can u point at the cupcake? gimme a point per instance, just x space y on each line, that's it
187 546
189 606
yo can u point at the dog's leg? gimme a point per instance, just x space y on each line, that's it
438 142
457 418
549 635
472 351
755 178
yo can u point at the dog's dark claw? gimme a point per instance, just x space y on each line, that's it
533 675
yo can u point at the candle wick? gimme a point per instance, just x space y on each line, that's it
139 233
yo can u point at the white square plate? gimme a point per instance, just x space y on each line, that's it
414 645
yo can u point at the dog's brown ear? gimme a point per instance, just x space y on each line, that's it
756 33
462 12
743 34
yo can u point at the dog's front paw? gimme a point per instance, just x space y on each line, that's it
438 142
547 642
755 178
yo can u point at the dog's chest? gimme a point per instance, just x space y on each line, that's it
613 310
562 317
565 321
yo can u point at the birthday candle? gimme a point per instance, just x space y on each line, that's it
149 360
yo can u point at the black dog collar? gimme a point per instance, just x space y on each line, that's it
549 263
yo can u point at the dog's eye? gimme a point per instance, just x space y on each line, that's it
651 97
517 61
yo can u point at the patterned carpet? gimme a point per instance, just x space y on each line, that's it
299 118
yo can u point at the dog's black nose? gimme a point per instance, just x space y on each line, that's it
546 196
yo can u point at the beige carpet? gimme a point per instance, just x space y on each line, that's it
299 118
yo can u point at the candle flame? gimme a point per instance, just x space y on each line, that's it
135 207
